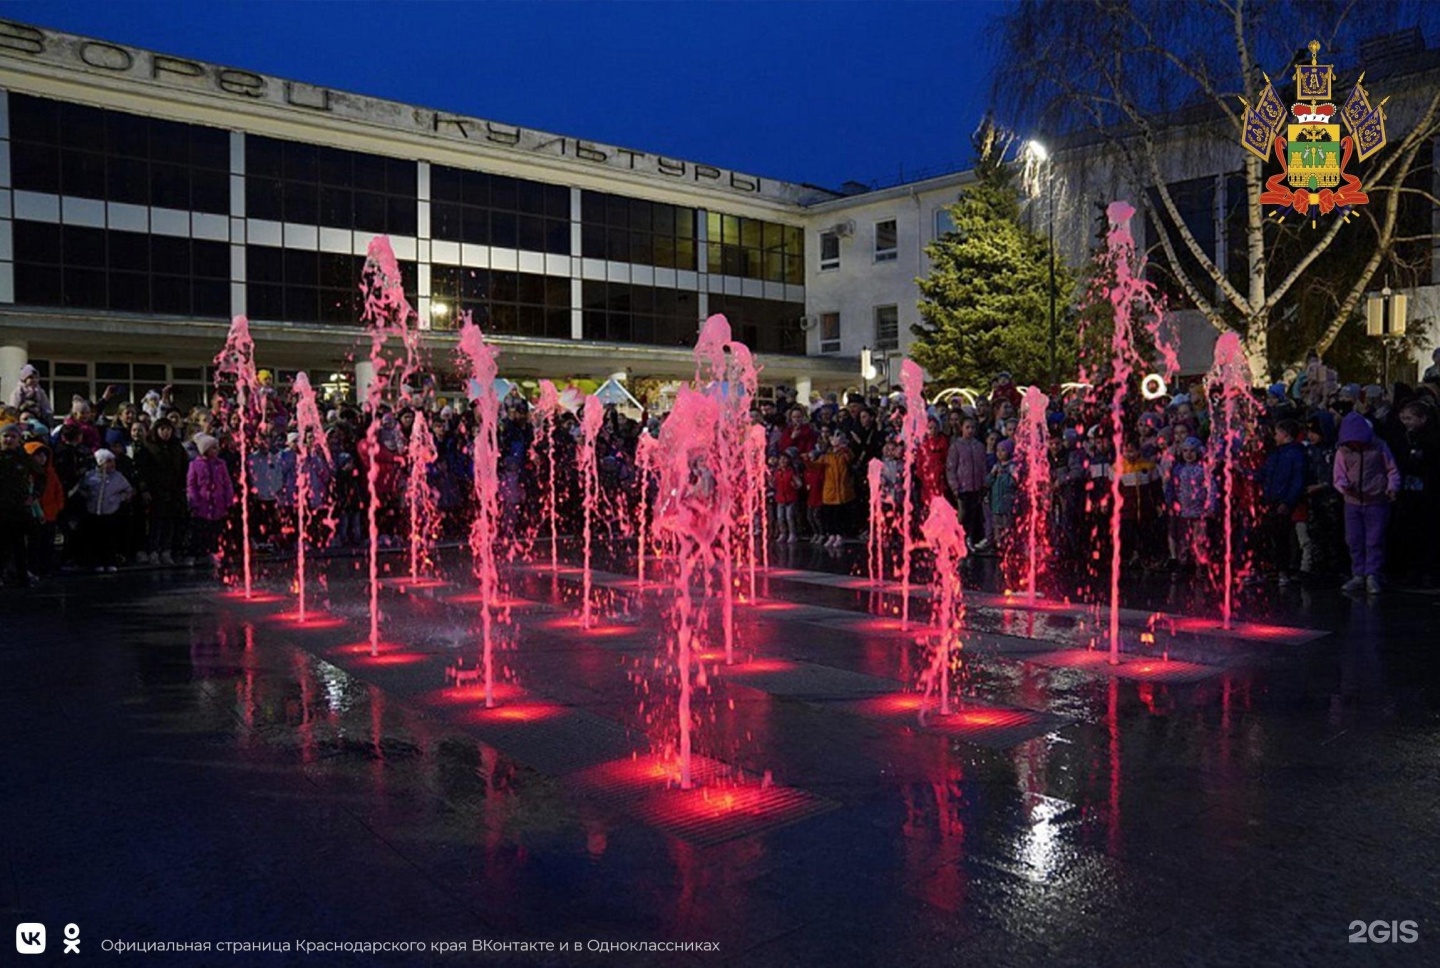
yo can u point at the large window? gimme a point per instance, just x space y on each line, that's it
633 230
887 328
754 249
304 286
64 379
764 325
829 332
640 314
829 251
83 268
290 181
514 303
73 149
887 241
510 213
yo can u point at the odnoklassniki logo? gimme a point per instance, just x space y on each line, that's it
1314 158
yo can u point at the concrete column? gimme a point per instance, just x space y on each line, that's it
802 390
13 355
364 376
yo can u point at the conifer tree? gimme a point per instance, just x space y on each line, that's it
986 305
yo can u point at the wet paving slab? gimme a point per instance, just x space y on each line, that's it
190 765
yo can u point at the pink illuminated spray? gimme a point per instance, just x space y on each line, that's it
420 496
547 410
726 370
647 466
1032 452
387 314
875 535
1132 300
1229 379
311 462
946 539
590 419
478 358
756 530
237 362
912 431
690 513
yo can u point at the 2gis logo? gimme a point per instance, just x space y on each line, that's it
30 938
1380 932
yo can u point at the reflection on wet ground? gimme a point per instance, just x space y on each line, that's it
184 764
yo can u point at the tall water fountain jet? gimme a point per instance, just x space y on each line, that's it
646 466
590 419
755 444
237 362
912 431
945 537
726 369
1032 451
1229 379
547 412
387 313
690 512
1131 299
420 495
875 533
314 454
478 358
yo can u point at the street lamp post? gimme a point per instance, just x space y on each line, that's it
1039 152
1385 318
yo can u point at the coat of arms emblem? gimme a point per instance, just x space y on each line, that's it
1314 157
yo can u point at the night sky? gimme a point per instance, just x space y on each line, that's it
805 92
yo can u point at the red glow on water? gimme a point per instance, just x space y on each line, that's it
476 598
254 598
764 665
392 658
365 648
896 704
876 623
312 620
978 717
472 695
773 605
1200 623
408 582
515 713
575 623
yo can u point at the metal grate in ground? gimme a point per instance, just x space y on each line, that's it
621 782
994 727
706 816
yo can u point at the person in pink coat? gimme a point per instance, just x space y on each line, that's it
210 494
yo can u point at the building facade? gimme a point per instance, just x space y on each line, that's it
146 198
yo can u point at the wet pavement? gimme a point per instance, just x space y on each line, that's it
185 765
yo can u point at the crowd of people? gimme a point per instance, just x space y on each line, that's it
1318 479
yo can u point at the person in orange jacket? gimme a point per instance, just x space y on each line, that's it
52 501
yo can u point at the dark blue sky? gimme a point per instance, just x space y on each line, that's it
813 92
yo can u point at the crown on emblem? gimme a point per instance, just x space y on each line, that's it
1313 113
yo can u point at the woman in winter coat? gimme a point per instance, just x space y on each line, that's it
210 495
1369 480
164 465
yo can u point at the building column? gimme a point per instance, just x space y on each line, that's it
802 391
364 376
14 354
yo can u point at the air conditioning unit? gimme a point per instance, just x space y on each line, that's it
807 323
844 229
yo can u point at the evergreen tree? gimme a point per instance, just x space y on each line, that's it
986 305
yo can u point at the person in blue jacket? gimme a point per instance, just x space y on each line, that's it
1283 491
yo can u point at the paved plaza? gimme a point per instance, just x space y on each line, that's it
185 765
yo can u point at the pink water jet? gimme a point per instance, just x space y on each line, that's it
387 314
1132 300
1229 377
478 358
912 431
945 537
690 512
875 533
647 466
311 463
1032 452
237 362
420 495
547 412
590 420
755 479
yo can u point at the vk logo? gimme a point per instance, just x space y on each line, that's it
30 939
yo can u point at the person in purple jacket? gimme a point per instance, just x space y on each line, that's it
1368 478
210 494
